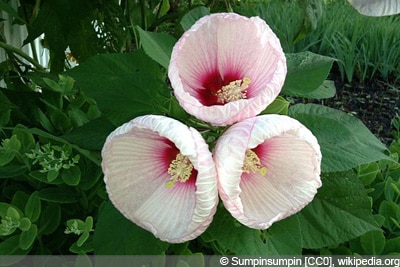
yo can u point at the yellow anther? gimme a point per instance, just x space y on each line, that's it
180 170
233 91
252 163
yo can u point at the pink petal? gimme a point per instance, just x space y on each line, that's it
292 156
136 157
217 50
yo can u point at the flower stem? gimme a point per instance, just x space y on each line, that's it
18 52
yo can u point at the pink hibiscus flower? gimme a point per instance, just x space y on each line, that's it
227 68
268 169
160 174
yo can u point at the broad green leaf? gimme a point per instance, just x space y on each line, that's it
282 238
345 141
392 246
326 90
123 85
158 46
33 207
91 135
10 171
192 16
27 238
340 211
10 246
279 106
116 235
58 195
373 242
306 72
50 219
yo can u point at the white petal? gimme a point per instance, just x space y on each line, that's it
376 8
292 157
135 173
221 43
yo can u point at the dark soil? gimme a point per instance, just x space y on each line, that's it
375 103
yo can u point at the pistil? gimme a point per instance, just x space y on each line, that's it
252 163
180 170
235 90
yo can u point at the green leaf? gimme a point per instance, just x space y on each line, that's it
25 224
392 246
50 219
58 195
373 242
27 238
10 171
10 246
279 106
71 176
91 135
306 72
340 211
368 172
33 207
8 149
326 90
192 16
158 46
26 138
115 235
82 239
282 238
123 85
10 10
313 10
345 141
391 211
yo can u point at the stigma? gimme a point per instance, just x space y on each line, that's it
252 163
180 170
235 90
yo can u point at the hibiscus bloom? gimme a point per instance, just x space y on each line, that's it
227 68
160 174
268 169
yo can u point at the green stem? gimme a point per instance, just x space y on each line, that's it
18 52
143 11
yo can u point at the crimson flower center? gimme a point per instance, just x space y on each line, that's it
180 170
252 163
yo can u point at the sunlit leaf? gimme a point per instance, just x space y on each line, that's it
345 141
158 46
306 73
340 211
